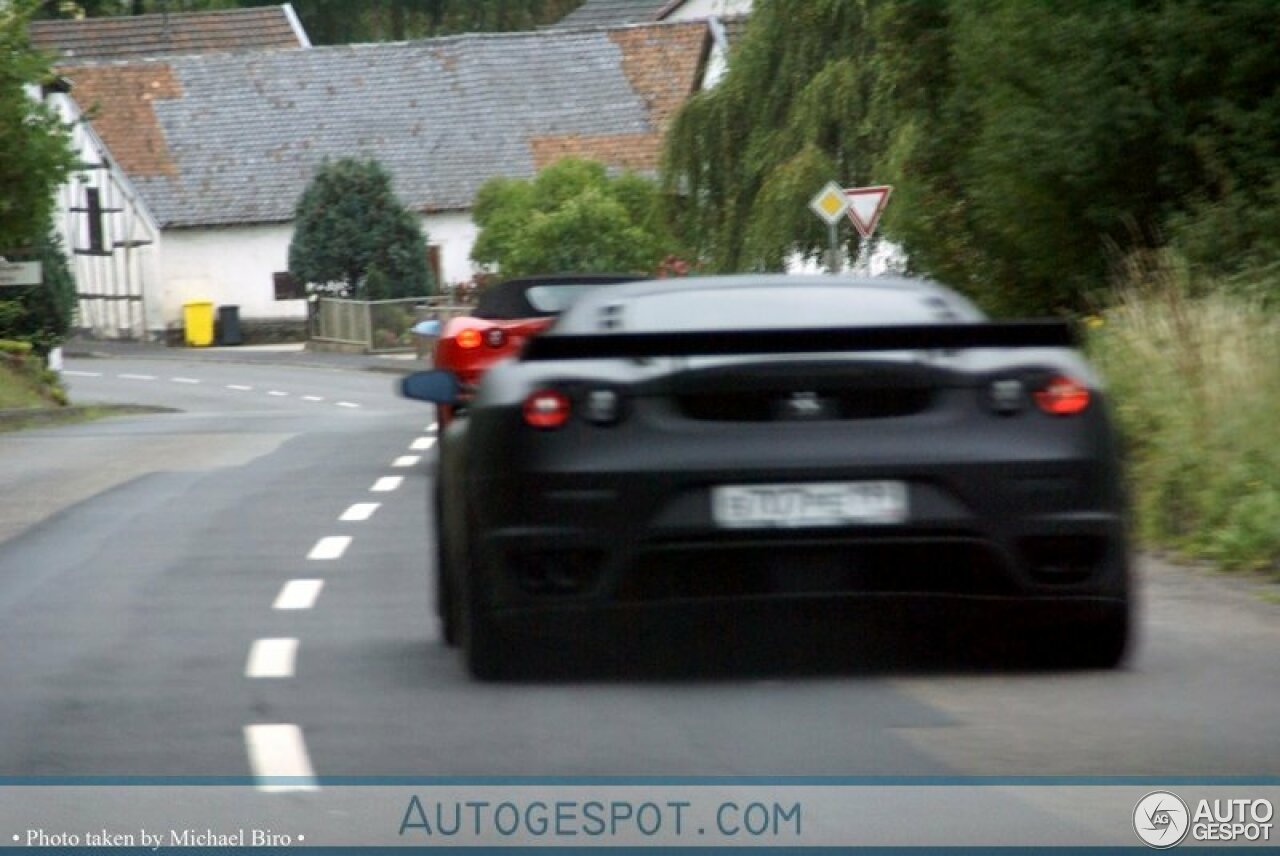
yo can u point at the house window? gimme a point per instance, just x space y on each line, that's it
288 288
93 208
434 265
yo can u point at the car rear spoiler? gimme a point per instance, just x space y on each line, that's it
1003 334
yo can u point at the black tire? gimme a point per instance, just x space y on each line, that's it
446 602
1105 642
448 609
1099 643
483 644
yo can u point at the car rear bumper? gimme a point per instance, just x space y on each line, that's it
1031 517
1036 560
810 630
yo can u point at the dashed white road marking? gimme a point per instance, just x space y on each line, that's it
330 547
271 658
432 428
277 393
406 461
313 398
360 511
71 373
386 484
239 387
137 377
347 404
422 444
298 594
278 757
184 380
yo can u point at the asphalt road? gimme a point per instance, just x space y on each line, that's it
180 594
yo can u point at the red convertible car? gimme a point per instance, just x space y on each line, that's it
507 314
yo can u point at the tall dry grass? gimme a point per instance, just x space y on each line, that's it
1195 383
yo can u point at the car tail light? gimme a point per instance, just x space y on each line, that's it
469 339
495 337
546 408
1062 396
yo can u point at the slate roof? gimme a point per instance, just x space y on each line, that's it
128 37
235 138
612 13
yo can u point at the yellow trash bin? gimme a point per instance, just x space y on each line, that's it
197 318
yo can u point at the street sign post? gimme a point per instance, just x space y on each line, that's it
866 204
20 273
830 204
863 205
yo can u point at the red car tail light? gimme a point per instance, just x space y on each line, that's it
1062 396
495 337
546 408
469 339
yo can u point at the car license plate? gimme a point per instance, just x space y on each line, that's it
810 504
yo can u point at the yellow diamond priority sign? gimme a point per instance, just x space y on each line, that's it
830 203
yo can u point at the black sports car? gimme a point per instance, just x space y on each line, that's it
780 440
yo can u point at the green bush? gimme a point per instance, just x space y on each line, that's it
36 145
1195 382
572 216
354 238
41 315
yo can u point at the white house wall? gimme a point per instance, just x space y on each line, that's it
228 266
235 266
117 282
454 233
694 10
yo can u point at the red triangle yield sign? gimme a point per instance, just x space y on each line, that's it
866 204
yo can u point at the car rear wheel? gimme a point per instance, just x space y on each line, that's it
1105 642
1100 643
446 601
446 606
483 645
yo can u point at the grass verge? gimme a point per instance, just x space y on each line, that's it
1195 383
24 381
47 417
31 396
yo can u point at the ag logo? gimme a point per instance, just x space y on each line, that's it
1161 819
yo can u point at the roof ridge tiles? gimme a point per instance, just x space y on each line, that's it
243 135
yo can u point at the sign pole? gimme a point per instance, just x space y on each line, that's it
830 204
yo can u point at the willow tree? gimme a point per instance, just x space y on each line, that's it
1030 144
796 110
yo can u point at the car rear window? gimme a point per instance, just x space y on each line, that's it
554 299
787 306
516 299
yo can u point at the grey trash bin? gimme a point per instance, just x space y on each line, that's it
229 326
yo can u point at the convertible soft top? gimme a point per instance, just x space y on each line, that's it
507 301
